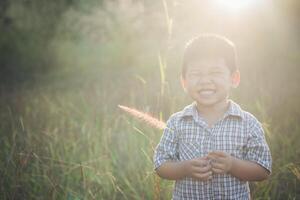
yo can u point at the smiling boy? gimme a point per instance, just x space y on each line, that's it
212 148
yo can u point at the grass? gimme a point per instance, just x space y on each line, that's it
77 144
69 139
63 146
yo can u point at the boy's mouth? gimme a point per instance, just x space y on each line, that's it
206 92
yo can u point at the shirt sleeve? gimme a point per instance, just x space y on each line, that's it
167 148
257 149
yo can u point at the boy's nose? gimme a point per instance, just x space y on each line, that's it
204 80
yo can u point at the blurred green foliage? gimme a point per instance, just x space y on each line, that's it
66 65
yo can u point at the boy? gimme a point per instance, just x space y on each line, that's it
212 148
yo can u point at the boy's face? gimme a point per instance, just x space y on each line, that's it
208 81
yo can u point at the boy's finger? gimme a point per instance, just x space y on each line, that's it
218 171
205 169
197 162
205 158
219 160
201 162
222 159
212 157
218 166
203 175
201 169
217 153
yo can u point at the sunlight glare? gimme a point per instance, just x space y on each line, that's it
234 5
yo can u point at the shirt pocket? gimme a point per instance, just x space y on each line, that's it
189 149
236 149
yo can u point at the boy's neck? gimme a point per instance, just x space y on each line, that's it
212 114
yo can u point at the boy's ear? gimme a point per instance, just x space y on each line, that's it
235 79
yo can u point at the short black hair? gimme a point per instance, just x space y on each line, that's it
209 46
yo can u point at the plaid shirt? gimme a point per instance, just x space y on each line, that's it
187 136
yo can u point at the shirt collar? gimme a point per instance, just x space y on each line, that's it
189 110
233 110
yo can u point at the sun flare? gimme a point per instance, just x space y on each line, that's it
234 5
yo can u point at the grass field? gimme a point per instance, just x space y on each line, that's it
59 143
62 134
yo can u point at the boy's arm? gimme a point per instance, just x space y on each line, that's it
243 169
172 170
248 170
256 164
167 164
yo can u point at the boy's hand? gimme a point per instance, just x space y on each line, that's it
199 168
221 162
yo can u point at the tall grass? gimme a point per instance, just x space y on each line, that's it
77 144
67 139
74 144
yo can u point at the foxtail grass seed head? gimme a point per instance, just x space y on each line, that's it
152 121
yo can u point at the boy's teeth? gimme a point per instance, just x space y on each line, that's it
207 92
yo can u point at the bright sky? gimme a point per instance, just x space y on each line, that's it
235 5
